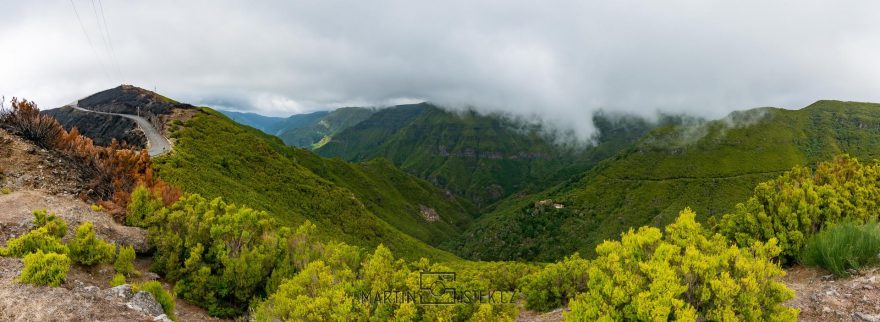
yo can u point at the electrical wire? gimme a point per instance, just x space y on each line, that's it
89 39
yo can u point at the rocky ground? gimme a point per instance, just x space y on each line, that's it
824 298
32 178
24 166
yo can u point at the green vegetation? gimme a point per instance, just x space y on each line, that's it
686 274
223 257
708 166
35 240
361 205
5 190
143 203
162 296
45 268
843 246
46 237
124 263
556 284
96 207
481 157
322 291
219 255
117 280
798 204
87 249
54 224
319 131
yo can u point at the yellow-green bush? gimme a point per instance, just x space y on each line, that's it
87 249
162 296
556 284
117 280
54 224
44 268
798 204
686 274
39 239
314 294
124 263
143 204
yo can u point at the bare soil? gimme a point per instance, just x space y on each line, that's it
820 297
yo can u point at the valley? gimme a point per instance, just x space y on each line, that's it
638 173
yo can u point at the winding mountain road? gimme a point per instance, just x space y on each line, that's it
156 143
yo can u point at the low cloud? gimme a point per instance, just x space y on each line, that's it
553 62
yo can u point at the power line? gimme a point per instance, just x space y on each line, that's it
110 41
102 30
89 39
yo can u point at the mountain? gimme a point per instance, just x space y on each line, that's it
315 134
362 204
484 158
304 130
125 99
708 166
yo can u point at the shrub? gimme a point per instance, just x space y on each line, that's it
45 268
25 119
54 224
554 285
97 208
842 247
685 275
39 239
125 261
162 296
87 249
117 280
317 293
801 202
218 254
143 204
5 190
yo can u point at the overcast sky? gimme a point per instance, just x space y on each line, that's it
551 60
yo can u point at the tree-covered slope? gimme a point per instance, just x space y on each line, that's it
482 157
275 125
708 167
319 131
362 204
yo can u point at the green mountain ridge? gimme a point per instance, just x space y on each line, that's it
708 167
484 158
362 204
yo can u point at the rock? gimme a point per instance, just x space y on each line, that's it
150 276
868 317
162 318
145 302
122 291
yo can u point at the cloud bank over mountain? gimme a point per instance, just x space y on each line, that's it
555 61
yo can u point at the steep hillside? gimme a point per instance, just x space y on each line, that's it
482 157
708 167
309 130
362 204
315 134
